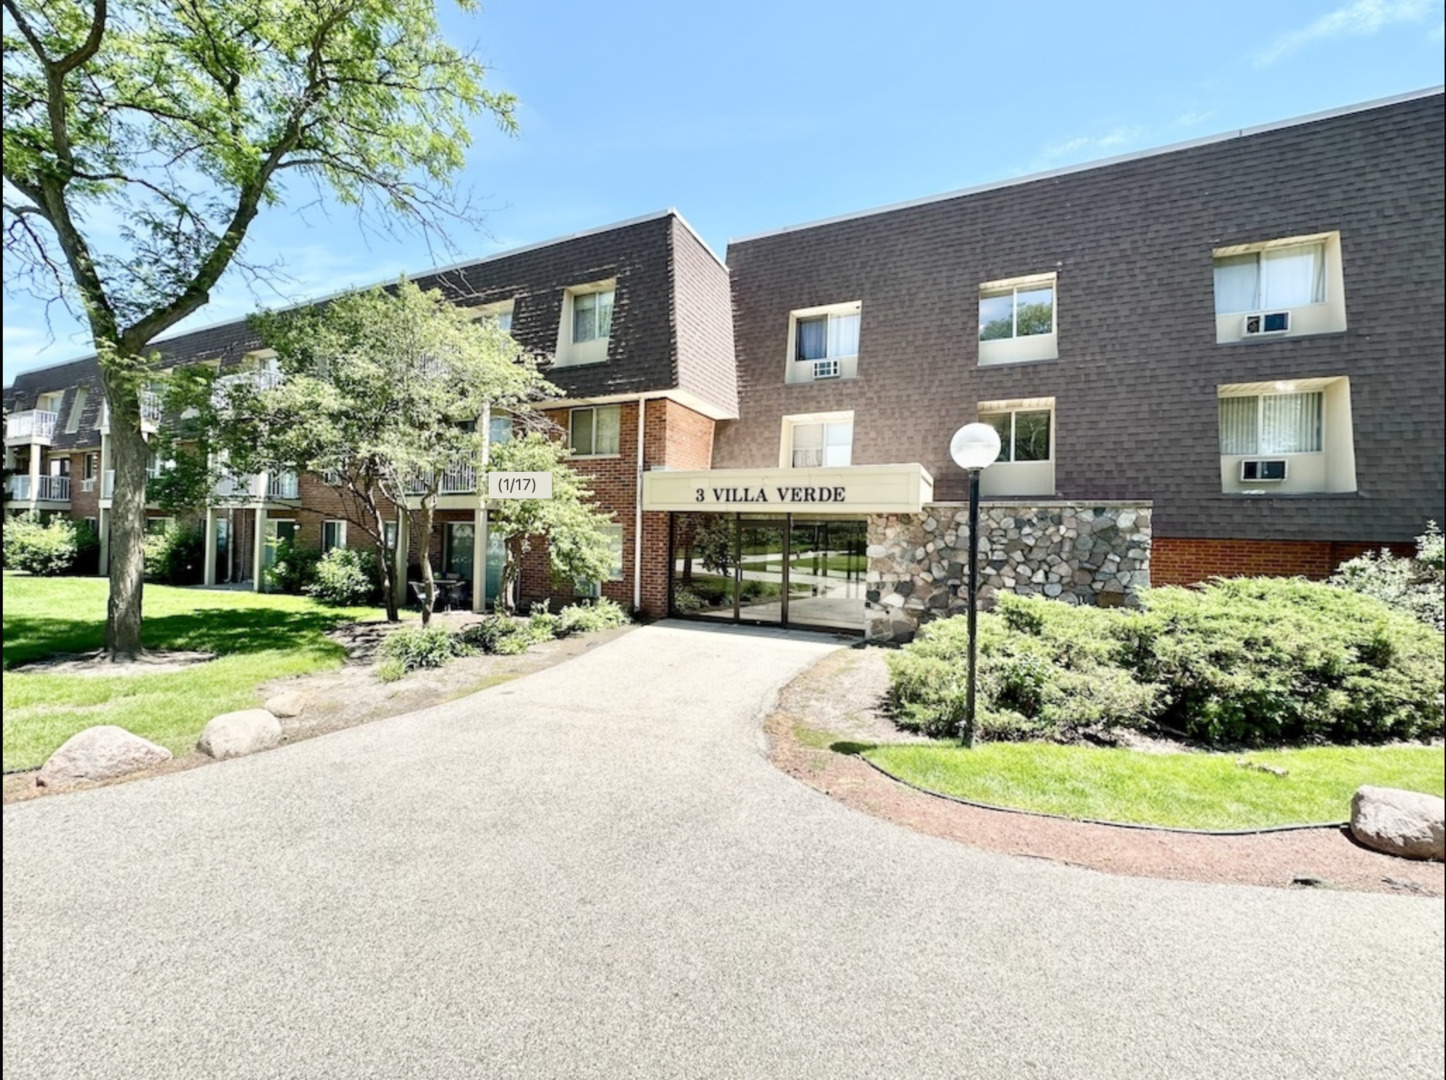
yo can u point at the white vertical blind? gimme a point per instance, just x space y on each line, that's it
1239 425
1290 423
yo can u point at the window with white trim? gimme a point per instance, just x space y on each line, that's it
1289 437
823 342
587 323
1017 320
333 535
1272 423
1025 465
595 430
500 313
1281 288
592 316
821 443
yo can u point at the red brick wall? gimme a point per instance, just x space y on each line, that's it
1182 561
84 504
675 436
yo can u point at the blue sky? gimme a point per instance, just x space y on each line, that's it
750 116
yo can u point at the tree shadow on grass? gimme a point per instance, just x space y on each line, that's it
221 631
849 748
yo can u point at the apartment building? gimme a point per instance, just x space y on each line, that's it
1238 340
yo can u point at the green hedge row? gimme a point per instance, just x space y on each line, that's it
1246 661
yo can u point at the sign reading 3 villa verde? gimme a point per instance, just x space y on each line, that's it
861 489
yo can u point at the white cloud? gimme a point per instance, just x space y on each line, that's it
1362 18
1193 118
1084 147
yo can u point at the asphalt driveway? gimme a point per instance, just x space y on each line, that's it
595 872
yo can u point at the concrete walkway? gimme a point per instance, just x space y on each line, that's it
595 872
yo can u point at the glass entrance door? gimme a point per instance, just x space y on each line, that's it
762 571
786 571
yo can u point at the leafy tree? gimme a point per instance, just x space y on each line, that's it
575 530
380 395
181 119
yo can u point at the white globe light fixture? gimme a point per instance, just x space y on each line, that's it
974 447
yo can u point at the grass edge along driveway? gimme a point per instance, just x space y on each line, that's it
1184 790
256 638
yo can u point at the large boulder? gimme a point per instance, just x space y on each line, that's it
287 704
1406 823
235 734
99 753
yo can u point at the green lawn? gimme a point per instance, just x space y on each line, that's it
1192 790
833 565
256 638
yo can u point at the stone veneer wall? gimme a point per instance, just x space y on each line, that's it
1081 553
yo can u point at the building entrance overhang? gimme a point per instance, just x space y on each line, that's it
848 490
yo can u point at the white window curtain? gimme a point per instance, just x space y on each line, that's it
808 446
843 335
607 430
1237 283
1291 423
1293 277
1239 424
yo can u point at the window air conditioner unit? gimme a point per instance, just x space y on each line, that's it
825 369
1267 322
1262 470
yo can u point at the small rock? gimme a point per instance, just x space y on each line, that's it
235 734
288 704
99 753
1405 823
1260 766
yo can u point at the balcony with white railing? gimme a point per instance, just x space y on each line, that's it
258 380
150 403
238 487
53 489
281 486
456 480
20 488
30 426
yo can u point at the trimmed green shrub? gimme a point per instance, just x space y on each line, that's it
414 647
600 614
176 556
1415 586
1046 671
50 548
1282 660
293 569
345 577
1246 661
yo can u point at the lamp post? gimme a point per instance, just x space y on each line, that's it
974 448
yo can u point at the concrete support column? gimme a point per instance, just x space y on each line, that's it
258 554
208 576
479 516
34 475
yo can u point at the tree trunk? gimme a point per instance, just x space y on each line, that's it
429 589
128 454
386 556
511 571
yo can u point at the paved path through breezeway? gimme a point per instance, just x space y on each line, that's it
595 872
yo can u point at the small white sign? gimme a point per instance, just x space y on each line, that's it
519 485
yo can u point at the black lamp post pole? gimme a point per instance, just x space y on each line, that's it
966 733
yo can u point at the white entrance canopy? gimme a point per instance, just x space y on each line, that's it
853 489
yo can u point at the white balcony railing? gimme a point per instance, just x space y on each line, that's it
34 425
457 480
261 379
237 486
281 486
20 488
87 483
54 489
150 408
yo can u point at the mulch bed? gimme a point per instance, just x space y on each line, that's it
842 695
